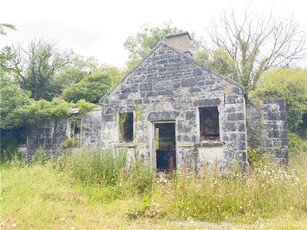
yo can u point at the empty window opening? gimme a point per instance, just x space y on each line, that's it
73 131
209 123
126 127
165 144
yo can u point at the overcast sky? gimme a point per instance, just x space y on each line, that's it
99 28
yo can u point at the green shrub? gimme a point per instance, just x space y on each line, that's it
296 144
287 83
256 157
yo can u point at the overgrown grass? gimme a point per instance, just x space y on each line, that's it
97 167
98 190
262 193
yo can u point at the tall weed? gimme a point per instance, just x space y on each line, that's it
98 167
139 178
263 192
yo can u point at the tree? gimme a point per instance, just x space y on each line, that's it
6 55
91 88
36 66
18 109
217 60
6 52
13 100
257 43
287 83
76 70
114 73
140 44
4 26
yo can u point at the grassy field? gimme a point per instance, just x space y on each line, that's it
88 191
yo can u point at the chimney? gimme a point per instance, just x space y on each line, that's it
180 41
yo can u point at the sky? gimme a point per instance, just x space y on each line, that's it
99 28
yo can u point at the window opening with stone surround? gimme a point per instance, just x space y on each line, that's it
209 123
73 131
126 127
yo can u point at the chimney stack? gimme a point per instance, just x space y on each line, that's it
180 41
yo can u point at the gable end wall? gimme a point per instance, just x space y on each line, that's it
168 86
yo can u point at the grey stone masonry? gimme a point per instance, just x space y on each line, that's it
49 136
168 86
201 116
267 127
91 129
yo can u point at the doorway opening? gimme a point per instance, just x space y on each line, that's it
165 146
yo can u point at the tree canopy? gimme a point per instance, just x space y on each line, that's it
217 60
35 68
6 52
91 88
257 43
140 44
287 83
18 109
13 100
74 71
4 26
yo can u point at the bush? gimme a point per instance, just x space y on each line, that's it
296 144
91 88
287 83
257 158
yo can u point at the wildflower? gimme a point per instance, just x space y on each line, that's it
14 225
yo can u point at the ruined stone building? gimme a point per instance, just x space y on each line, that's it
173 112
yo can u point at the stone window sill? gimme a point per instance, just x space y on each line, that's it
125 145
209 144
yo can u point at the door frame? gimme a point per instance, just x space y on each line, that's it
153 140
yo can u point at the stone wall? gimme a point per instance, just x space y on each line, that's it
91 126
169 86
267 127
50 136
